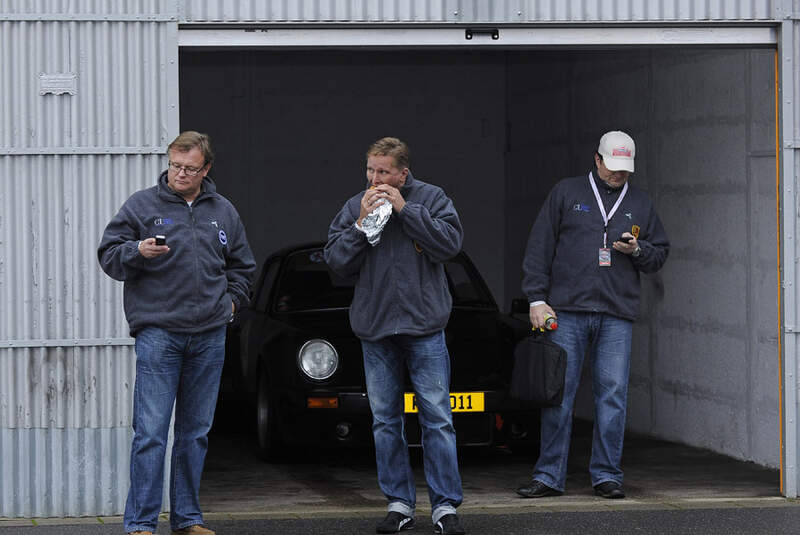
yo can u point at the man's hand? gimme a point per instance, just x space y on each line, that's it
149 249
369 202
626 248
539 313
385 191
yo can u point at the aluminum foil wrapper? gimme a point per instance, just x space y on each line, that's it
374 222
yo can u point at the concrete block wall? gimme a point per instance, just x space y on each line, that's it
705 369
722 390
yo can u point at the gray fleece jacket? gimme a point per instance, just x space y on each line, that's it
401 284
209 265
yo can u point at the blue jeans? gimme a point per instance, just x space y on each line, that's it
428 363
181 369
608 339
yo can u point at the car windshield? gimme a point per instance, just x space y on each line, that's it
465 291
307 283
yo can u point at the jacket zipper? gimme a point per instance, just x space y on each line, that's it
194 249
396 291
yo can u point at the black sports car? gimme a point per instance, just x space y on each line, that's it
293 355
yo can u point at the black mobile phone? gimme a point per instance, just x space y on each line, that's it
161 240
626 239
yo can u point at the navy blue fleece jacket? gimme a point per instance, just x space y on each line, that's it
561 260
401 285
209 265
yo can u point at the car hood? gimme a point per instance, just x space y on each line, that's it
333 323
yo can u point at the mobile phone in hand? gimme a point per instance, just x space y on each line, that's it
625 239
161 239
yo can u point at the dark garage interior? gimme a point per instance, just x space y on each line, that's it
496 129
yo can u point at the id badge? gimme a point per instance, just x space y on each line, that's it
604 256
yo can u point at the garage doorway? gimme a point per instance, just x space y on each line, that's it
496 129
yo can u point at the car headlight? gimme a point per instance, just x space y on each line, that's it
318 359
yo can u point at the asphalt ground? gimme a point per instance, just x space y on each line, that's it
784 518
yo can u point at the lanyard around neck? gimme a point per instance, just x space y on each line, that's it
606 218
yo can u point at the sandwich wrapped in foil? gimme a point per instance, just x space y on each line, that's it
373 223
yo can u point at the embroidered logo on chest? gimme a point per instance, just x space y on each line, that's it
578 207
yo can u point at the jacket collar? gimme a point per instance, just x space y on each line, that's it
207 188
602 184
409 183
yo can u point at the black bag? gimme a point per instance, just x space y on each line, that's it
538 374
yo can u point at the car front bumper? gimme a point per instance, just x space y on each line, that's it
350 421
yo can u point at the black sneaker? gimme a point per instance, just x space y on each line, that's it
394 523
449 525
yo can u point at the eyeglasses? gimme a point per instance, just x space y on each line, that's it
190 171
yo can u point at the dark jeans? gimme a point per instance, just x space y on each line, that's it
428 364
181 370
608 339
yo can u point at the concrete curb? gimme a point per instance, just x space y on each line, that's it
539 505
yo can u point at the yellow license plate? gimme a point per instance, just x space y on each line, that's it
459 402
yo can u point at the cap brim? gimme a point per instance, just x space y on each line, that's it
618 164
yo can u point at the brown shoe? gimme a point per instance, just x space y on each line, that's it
196 529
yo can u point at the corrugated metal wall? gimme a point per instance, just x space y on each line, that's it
89 9
120 80
469 11
67 162
789 136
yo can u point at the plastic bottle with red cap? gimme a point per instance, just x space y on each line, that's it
550 323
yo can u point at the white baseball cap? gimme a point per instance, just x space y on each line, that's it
618 151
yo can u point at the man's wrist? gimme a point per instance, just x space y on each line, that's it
636 252
537 303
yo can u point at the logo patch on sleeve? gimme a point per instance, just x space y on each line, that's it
223 238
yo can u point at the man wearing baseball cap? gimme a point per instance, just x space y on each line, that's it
591 239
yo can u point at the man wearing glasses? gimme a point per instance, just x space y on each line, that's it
181 250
